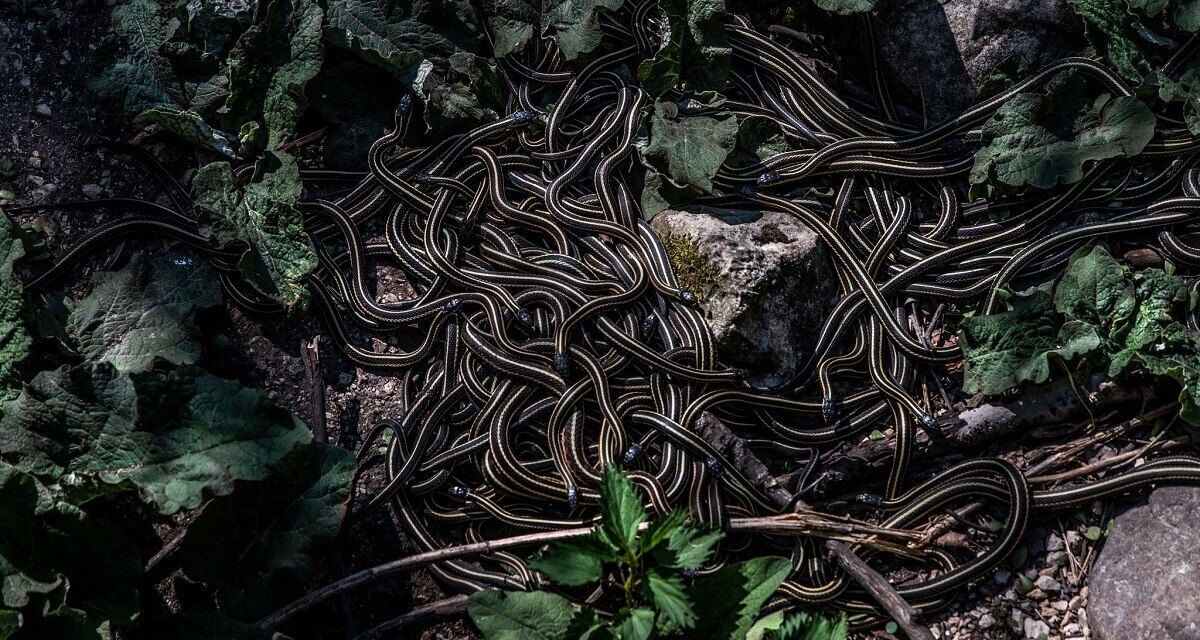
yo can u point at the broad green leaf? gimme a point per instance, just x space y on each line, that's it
660 528
216 25
802 625
190 127
460 92
400 36
358 101
635 624
847 7
511 23
1186 88
758 138
1185 369
1043 140
1161 305
688 547
264 217
1110 28
145 312
1003 350
139 77
175 437
272 62
727 602
666 592
258 545
621 509
683 154
695 51
10 623
15 339
575 24
1149 7
1187 15
24 571
1094 291
571 563
520 615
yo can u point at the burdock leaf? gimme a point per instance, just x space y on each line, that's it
575 24
1110 28
519 615
15 339
139 77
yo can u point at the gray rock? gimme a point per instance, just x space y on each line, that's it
986 621
953 46
92 190
1048 584
1146 582
1036 628
764 280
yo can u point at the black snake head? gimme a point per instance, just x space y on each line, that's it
631 453
687 297
405 105
572 496
829 408
715 467
460 492
452 305
770 177
930 423
562 363
870 499
748 192
648 324
522 116
525 318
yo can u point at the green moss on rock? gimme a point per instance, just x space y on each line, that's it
695 272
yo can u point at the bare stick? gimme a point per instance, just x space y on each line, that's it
432 612
716 433
312 364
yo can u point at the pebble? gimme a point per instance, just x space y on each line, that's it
1035 628
1073 538
92 190
344 378
986 621
1054 543
1071 629
1048 584
1018 619
1002 577
1059 605
43 109
1057 558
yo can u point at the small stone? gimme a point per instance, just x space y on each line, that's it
1035 595
1002 577
25 82
345 378
986 621
1048 584
43 109
1035 628
1054 543
1057 558
36 180
92 190
1075 603
1059 605
1018 619
1073 539
1071 629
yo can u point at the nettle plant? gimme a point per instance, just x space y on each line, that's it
649 571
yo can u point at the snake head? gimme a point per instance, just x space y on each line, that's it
525 318
451 305
631 453
648 324
689 572
770 177
714 467
460 492
423 177
405 105
748 192
687 297
829 408
930 423
870 499
572 496
562 363
522 116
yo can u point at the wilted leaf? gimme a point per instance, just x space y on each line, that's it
727 601
1042 140
15 339
144 312
174 437
139 77
272 62
519 615
262 216
190 127
258 544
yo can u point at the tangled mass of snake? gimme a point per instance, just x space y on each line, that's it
546 335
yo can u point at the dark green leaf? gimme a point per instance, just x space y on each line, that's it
571 563
1003 350
1093 290
460 92
1187 15
684 153
660 528
802 625
511 23
1043 140
519 615
575 24
666 592
695 52
621 509
727 601
636 624
175 437
144 312
688 547
1110 28
257 545
271 63
15 339
10 623
139 77
263 216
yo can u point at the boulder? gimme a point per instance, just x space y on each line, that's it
1146 582
953 47
764 280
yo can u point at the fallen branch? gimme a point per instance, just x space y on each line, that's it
717 434
434 611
